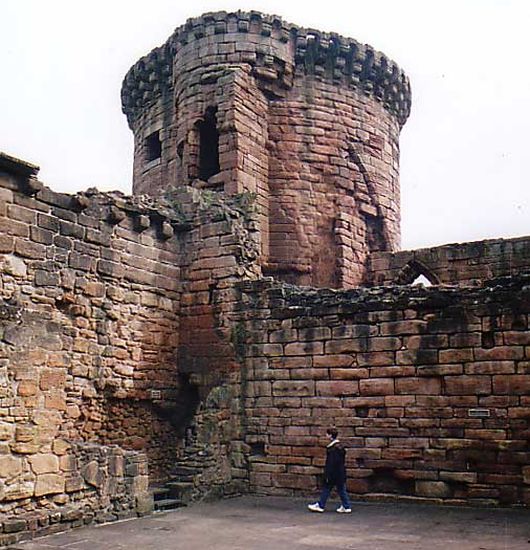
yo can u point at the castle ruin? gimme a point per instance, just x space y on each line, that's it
195 339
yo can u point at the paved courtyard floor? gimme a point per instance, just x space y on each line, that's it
257 523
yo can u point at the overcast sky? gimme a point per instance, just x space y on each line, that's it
464 149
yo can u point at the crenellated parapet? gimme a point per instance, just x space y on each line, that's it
276 50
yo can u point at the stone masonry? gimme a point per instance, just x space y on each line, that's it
164 337
307 121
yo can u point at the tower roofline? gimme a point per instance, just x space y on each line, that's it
323 54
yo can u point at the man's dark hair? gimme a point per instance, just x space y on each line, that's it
333 432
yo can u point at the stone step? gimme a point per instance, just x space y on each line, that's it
159 493
184 471
168 504
181 489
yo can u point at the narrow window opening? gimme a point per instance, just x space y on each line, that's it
208 145
153 147
257 449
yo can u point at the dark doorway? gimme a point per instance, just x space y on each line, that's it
208 145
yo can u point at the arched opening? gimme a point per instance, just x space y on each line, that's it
416 273
421 280
208 145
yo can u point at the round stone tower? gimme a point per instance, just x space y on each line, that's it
306 121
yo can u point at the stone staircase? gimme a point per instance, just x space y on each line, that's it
180 489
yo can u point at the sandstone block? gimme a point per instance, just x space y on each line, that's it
40 235
74 483
293 388
383 343
413 326
337 388
52 379
46 278
13 265
423 386
490 367
28 249
460 355
7 431
49 484
433 489
467 385
304 348
44 463
376 358
92 474
515 384
345 346
55 400
140 485
329 361
417 357
7 244
379 386
14 525
462 477
144 504
10 466
19 490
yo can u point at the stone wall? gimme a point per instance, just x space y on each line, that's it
464 263
91 483
111 334
428 387
334 190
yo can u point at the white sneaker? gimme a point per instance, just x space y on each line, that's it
342 510
315 507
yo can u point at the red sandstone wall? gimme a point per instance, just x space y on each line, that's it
466 263
90 305
334 183
103 300
152 177
308 121
401 373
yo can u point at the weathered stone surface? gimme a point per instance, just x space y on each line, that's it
44 463
10 466
92 474
19 490
14 525
49 484
433 489
13 265
7 430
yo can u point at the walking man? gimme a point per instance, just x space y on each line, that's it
334 475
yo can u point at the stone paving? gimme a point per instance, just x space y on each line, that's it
258 523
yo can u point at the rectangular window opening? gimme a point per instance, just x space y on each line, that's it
153 147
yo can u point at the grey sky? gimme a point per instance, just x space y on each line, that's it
464 150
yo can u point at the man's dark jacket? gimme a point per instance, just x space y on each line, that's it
335 468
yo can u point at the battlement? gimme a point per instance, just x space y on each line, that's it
264 39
